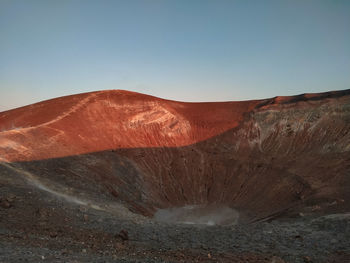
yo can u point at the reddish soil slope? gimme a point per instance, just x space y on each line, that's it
103 120
264 157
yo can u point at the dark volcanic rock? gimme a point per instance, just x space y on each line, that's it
123 234
4 203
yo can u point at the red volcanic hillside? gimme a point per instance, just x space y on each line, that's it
113 119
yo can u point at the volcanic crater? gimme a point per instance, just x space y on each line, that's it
263 159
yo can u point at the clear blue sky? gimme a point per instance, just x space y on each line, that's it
184 50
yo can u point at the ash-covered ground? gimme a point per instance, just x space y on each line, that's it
38 226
